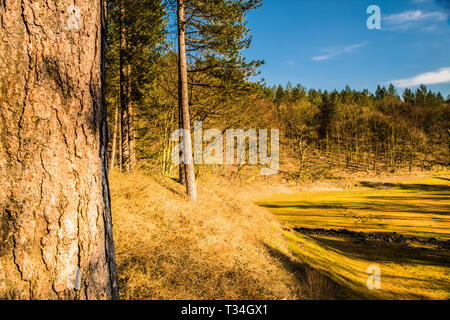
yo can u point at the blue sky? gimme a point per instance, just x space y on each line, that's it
326 44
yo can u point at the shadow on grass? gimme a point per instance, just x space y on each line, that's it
388 207
315 284
386 253
322 284
403 257
412 187
411 198
406 257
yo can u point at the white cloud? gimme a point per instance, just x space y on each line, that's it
431 28
408 19
338 52
440 76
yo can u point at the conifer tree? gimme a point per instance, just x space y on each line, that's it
211 35
135 37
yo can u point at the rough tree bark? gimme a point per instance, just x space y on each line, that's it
55 221
191 187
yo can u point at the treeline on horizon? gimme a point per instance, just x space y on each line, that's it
349 129
360 130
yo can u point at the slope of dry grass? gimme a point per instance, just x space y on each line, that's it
223 247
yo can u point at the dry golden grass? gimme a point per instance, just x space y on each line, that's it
226 247
223 247
414 207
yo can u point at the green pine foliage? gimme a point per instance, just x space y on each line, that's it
355 130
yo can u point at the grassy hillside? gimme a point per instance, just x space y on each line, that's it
221 248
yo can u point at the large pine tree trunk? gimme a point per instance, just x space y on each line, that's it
191 187
55 221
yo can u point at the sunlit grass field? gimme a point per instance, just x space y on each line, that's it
419 208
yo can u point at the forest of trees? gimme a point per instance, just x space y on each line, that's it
147 68
355 130
364 131
156 87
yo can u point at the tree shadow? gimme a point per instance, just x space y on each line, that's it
385 253
314 284
429 204
439 209
412 187
172 185
320 284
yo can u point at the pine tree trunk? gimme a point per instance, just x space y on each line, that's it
191 187
131 140
181 168
106 12
120 144
124 91
114 145
55 221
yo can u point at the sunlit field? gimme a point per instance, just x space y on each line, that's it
416 210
